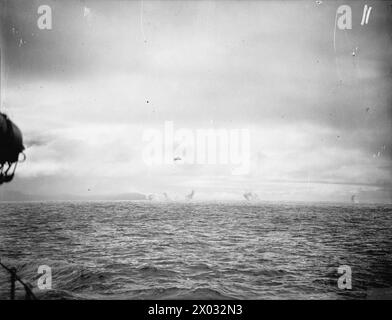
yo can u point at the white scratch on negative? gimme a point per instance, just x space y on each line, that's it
334 44
141 21
368 14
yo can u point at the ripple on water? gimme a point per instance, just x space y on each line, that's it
140 250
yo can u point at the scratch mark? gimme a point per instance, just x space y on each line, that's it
334 46
366 14
141 21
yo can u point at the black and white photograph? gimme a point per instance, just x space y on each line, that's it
195 150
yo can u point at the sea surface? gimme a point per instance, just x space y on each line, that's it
163 250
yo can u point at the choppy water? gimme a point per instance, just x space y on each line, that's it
140 250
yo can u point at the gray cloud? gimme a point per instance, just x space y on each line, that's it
269 66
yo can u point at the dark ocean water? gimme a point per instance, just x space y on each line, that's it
146 250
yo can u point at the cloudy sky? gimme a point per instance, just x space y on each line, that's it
317 100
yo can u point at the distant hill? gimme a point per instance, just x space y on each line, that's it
8 195
122 196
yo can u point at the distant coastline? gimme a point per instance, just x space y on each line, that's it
8 195
17 196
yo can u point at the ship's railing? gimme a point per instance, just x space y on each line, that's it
13 279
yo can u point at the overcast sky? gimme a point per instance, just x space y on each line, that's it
82 93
